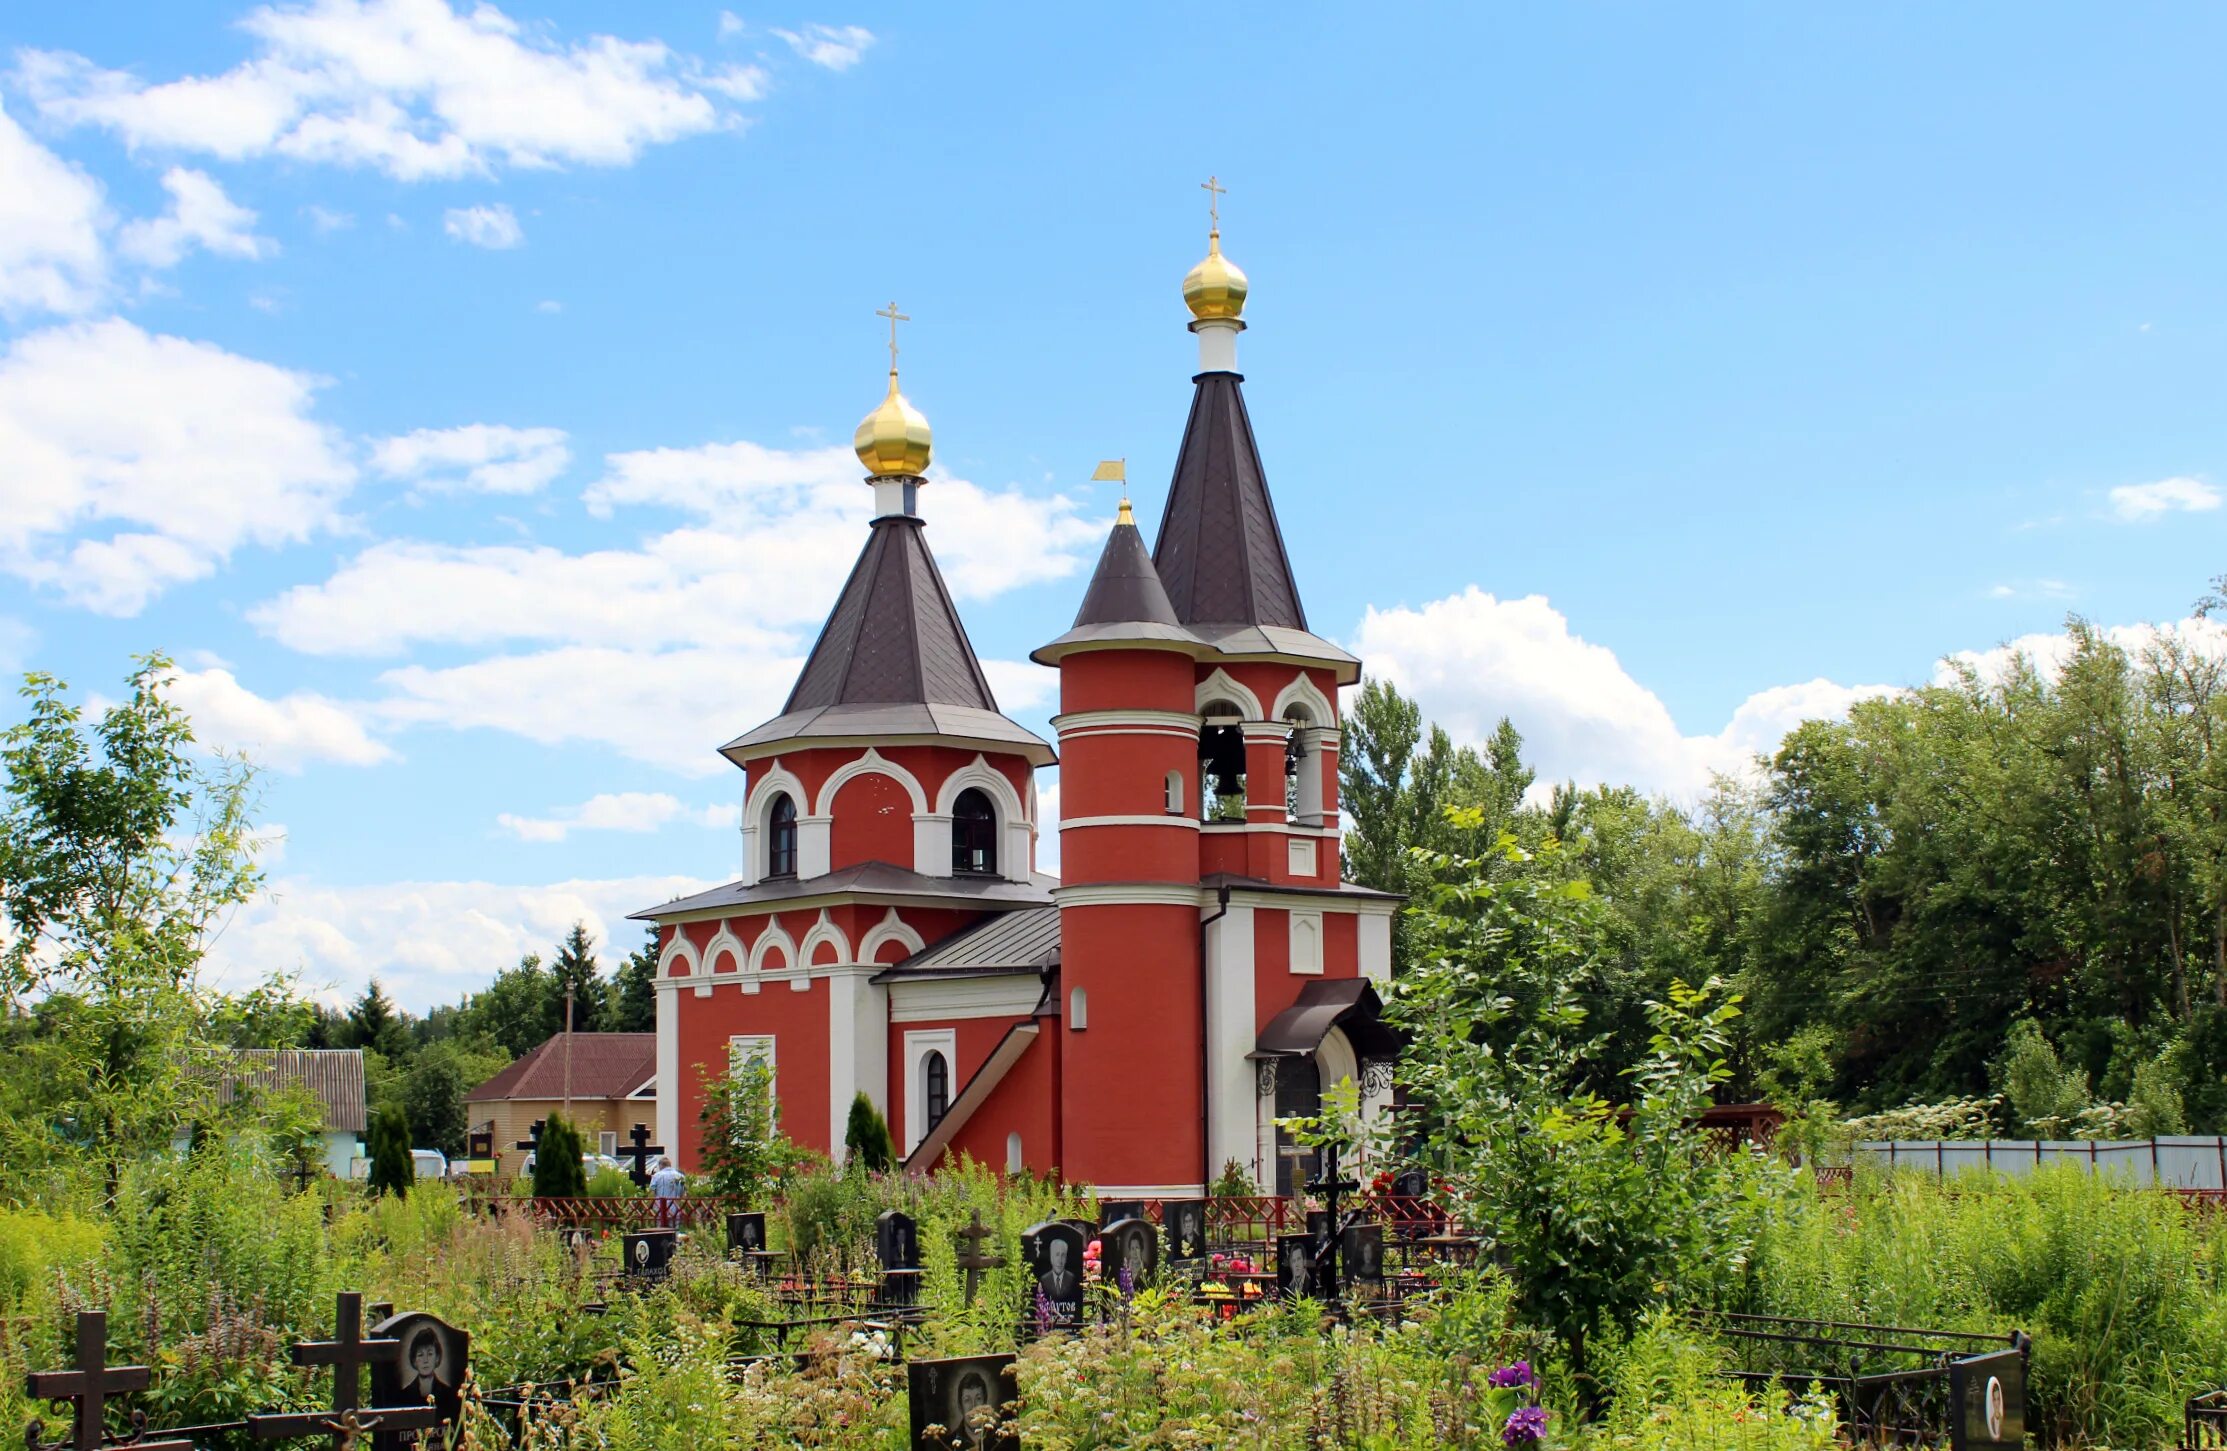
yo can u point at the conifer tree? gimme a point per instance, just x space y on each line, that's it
558 1172
866 1137
392 1169
576 969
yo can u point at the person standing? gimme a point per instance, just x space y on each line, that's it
667 1186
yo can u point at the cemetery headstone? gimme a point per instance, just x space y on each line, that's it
1053 1251
576 1240
746 1232
897 1247
649 1251
1132 1245
1412 1182
1185 1222
348 1353
967 1401
1361 1253
1987 1397
1301 1273
429 1372
1112 1210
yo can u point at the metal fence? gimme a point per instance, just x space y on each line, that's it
2189 1164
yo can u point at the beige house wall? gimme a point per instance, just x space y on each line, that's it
514 1120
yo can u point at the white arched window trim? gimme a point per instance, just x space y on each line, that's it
979 772
1015 821
725 941
770 937
1302 692
891 928
679 948
873 763
824 930
1220 686
757 841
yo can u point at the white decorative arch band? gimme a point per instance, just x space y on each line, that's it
775 777
680 948
1303 691
891 928
1219 686
771 937
725 941
873 763
979 772
823 930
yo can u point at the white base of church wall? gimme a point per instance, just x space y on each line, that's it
1150 1191
1230 1037
857 1047
668 1065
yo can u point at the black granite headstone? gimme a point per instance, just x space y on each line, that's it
1184 1220
1301 1273
1361 1253
746 1232
649 1251
429 1372
1987 1400
1053 1251
969 1402
1133 1244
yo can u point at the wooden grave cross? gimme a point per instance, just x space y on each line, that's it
87 1387
639 1148
348 1352
971 1258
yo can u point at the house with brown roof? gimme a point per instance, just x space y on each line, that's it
334 1075
608 1079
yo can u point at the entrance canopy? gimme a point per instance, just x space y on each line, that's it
1348 1003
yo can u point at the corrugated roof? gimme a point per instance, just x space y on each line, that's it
1027 939
604 1065
335 1075
868 879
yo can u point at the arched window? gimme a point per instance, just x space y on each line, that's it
974 834
781 837
1222 762
937 1070
1013 1161
1175 793
1078 1010
1302 793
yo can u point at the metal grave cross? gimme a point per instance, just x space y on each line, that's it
305 1168
1330 1186
348 1352
87 1388
971 1258
639 1148
532 1142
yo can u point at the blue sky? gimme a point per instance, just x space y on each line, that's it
461 395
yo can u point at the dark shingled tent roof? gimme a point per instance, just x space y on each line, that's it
1220 554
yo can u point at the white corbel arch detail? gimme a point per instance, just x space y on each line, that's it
824 930
771 937
1219 686
872 763
680 948
1303 691
724 940
891 928
776 779
979 772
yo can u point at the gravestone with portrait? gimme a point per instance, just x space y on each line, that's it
1053 1252
1302 1272
1987 1402
1412 1182
897 1247
428 1371
1185 1223
746 1232
1113 1211
1361 1253
647 1252
1132 1245
964 1404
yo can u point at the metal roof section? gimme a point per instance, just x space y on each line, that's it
875 725
334 1075
1220 554
1023 941
1347 1003
870 881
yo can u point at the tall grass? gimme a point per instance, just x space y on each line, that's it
2124 1290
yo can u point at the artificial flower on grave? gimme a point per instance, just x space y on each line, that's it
1092 1261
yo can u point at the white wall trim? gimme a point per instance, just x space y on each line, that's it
1303 691
1306 952
667 1113
724 940
873 763
771 936
919 1043
1150 1191
979 772
1375 933
933 1000
757 842
824 930
681 948
1220 685
891 928
1129 894
1166 818
1119 721
1231 1033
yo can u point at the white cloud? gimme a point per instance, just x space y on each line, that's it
2141 503
427 942
414 88
188 450
284 734
51 219
730 25
494 459
549 304
637 811
200 215
1471 659
2049 651
833 47
495 227
327 220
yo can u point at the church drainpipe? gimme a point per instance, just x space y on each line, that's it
1206 1149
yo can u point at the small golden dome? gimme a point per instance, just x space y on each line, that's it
1216 287
893 441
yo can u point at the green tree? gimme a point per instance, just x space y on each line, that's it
393 1171
514 1012
121 849
373 1023
431 1091
634 993
576 972
866 1140
743 1152
559 1172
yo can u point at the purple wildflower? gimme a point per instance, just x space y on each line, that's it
1128 1279
1525 1424
1510 1376
1044 1314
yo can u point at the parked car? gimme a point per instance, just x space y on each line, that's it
429 1163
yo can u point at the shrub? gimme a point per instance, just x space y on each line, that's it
866 1138
558 1172
393 1171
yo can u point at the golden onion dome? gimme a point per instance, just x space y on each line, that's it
893 441
1216 287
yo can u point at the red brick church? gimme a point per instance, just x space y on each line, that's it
1197 969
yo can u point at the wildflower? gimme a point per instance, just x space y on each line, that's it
1525 1424
1509 1376
1044 1316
